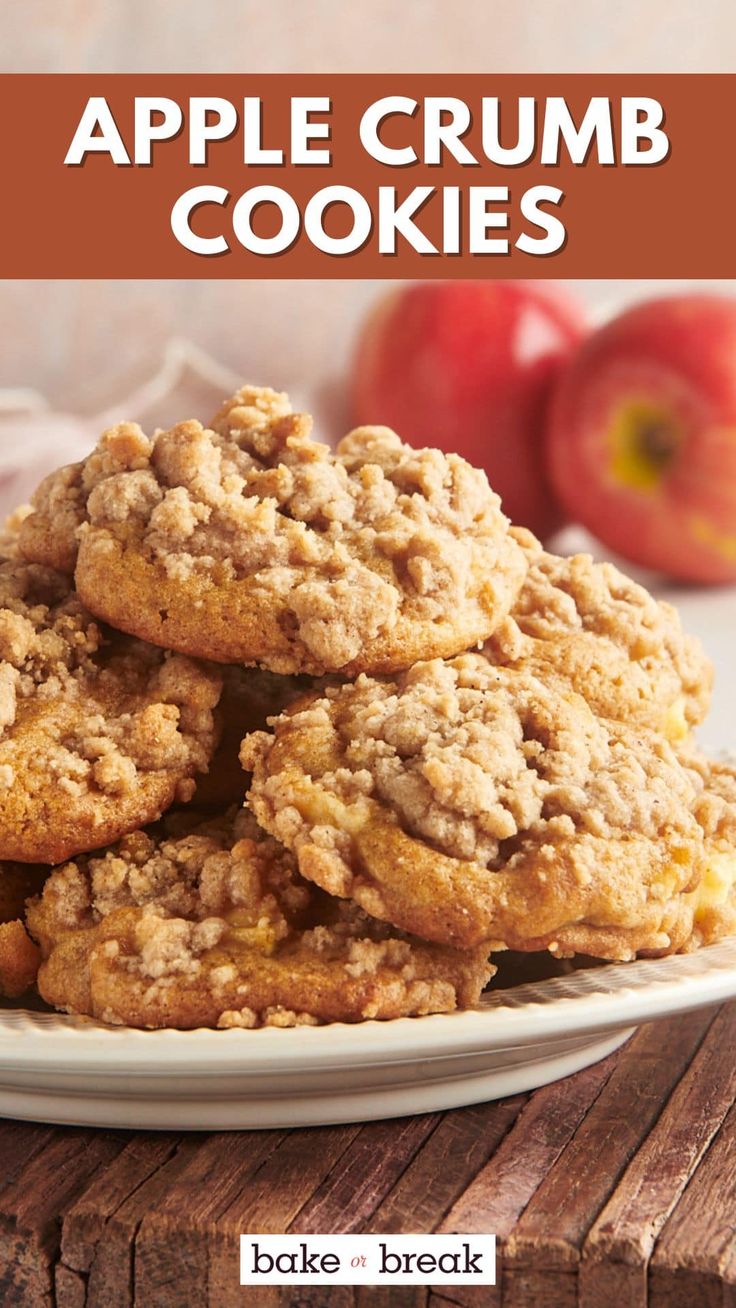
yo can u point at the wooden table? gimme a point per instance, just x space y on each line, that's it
616 1187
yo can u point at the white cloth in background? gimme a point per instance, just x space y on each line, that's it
34 439
185 383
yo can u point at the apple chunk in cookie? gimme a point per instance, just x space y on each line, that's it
715 897
250 542
212 925
98 732
625 652
468 803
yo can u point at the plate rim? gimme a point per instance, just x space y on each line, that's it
608 999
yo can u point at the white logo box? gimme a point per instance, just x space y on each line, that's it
367 1259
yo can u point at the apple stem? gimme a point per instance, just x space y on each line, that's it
658 442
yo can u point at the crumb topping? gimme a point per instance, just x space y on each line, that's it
624 651
475 759
715 782
527 795
465 803
353 538
714 899
102 708
209 910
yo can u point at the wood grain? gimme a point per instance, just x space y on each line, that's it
543 1251
366 1173
446 1163
171 1255
503 1189
450 1157
695 1255
86 1221
275 1193
70 1288
615 1186
618 1249
32 1202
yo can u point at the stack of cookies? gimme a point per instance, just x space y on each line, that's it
293 736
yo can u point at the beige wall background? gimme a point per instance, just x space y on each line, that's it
81 343
370 36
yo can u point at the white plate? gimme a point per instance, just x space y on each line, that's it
60 1069
65 1069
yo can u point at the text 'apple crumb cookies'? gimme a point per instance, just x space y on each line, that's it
464 803
250 542
215 927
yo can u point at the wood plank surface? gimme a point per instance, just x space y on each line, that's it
694 1258
616 1257
614 1186
497 1197
543 1251
379 1155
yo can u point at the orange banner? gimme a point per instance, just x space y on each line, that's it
337 176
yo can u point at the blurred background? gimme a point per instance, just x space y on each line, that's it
77 343
82 344
281 36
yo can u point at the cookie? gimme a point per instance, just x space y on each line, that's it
19 956
48 534
252 543
468 803
215 927
249 697
98 732
625 652
714 903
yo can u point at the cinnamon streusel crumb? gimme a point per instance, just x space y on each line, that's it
98 732
465 802
251 542
215 927
622 650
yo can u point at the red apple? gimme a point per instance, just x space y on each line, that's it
469 367
642 439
